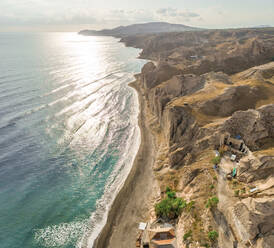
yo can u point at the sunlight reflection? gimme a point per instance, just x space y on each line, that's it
85 51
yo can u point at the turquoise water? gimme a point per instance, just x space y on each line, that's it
68 135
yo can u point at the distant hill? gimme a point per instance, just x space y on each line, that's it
262 26
135 29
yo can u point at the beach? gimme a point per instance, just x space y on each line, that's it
131 205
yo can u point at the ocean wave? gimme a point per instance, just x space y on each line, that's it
68 139
61 235
115 182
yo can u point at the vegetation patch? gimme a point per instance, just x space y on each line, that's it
243 191
212 202
190 206
213 235
216 160
236 192
187 235
171 206
205 245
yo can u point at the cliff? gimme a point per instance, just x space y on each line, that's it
201 86
229 51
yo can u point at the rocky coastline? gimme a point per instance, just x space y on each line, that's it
201 86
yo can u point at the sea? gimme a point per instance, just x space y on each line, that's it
68 135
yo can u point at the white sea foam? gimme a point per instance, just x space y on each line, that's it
99 217
67 233
62 234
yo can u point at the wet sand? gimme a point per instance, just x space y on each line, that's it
131 204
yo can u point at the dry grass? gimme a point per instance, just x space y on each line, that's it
203 119
266 88
265 152
214 89
210 91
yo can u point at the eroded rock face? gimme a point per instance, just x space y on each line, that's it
242 97
152 75
252 218
189 176
251 170
262 72
266 242
229 51
179 128
178 85
254 126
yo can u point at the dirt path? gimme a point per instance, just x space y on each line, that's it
226 200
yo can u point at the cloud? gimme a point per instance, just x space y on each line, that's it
172 12
95 15
51 13
144 15
176 15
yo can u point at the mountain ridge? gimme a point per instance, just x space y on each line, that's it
142 28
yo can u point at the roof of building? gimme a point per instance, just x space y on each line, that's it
142 226
163 242
153 232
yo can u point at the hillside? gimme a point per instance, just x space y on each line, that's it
199 88
208 93
137 29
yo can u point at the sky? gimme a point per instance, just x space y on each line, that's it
74 15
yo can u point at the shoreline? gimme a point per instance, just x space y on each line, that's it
129 207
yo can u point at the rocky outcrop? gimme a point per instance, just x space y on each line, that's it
154 75
251 170
252 219
255 126
178 85
241 97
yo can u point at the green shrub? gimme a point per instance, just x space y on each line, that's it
171 206
187 235
236 192
190 206
205 245
216 160
213 235
212 202
215 178
211 186
243 191
171 194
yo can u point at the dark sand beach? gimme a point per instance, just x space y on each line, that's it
131 206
